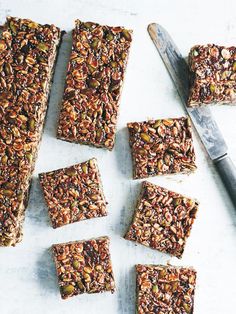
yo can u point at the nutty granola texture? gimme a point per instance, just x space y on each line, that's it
74 193
212 75
84 267
165 289
163 219
161 147
27 56
93 84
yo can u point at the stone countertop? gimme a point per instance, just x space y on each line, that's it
27 272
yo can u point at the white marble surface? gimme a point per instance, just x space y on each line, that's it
27 274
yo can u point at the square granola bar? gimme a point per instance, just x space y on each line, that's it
163 219
165 289
74 193
84 267
212 75
93 84
161 147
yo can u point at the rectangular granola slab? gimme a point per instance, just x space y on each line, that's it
84 267
212 75
27 57
73 194
161 146
163 219
165 289
93 84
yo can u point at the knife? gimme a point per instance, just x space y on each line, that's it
201 117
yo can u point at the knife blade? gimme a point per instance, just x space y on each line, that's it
202 118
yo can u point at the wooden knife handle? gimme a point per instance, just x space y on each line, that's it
227 172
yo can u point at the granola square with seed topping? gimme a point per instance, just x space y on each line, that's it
74 193
212 75
163 219
84 267
165 289
161 147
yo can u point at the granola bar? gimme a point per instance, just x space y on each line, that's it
212 75
74 193
28 53
161 147
93 84
165 289
84 267
163 219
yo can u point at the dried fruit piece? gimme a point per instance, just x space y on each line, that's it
87 264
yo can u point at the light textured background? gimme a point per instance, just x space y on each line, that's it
27 274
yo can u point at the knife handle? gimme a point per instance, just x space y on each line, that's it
227 172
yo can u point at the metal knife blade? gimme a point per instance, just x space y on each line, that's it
177 67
